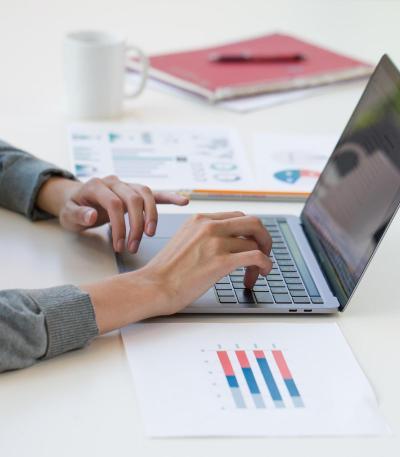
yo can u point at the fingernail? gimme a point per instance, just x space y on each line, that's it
87 215
134 246
120 245
151 228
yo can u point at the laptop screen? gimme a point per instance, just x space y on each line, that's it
358 192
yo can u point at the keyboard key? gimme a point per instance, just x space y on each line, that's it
227 299
264 297
317 300
225 293
288 274
295 287
261 282
293 280
283 257
278 244
261 288
279 290
274 277
244 296
237 274
298 293
223 286
275 271
238 285
285 268
280 251
282 298
301 300
276 283
277 238
286 263
224 280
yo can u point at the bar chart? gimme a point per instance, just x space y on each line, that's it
260 375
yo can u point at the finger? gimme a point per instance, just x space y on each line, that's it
256 260
101 195
170 197
240 244
243 245
134 205
221 216
251 276
75 217
248 226
150 209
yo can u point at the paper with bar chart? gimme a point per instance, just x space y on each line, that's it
249 380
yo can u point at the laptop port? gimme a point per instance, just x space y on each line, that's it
292 310
307 310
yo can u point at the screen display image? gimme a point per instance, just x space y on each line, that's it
359 191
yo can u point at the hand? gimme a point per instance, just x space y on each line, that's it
81 206
206 248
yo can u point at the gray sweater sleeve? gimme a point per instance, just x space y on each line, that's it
37 324
21 177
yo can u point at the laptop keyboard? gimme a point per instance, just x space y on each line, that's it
283 285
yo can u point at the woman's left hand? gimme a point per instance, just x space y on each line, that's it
80 206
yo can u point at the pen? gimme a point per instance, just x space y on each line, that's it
249 195
247 57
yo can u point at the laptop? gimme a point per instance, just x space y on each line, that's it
320 257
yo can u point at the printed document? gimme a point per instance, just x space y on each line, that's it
161 157
255 379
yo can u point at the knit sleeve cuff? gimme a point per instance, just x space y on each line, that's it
22 181
69 316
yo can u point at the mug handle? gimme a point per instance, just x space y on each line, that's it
144 65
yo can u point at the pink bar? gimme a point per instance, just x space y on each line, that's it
243 360
259 354
226 363
281 362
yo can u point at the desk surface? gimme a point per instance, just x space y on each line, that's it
84 403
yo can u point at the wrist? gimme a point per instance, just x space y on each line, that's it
128 298
54 193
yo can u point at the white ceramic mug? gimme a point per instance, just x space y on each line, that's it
95 64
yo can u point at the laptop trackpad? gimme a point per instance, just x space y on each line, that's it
148 248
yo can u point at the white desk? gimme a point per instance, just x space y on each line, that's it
83 403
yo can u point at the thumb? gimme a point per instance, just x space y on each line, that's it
77 217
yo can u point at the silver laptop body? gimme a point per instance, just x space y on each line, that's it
320 257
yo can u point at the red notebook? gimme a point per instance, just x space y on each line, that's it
193 70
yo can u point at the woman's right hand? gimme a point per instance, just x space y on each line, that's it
206 248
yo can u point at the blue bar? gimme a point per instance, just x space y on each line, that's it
238 398
269 380
291 387
298 402
258 401
232 381
251 380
